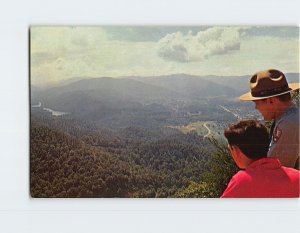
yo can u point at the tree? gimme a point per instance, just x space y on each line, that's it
295 97
220 169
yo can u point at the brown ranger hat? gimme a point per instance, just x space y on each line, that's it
268 83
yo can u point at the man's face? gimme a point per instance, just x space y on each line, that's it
266 108
238 159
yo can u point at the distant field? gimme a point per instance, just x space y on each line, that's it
202 128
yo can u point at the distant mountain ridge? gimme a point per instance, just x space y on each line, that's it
142 100
192 86
171 86
147 89
238 84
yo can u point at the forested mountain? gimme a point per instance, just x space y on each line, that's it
130 91
122 103
119 136
69 159
191 87
63 166
142 88
134 137
109 89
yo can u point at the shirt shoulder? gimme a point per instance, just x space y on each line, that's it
285 128
289 119
242 177
293 174
238 185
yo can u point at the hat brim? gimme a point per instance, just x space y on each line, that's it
248 96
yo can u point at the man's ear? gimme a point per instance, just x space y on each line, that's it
238 154
241 160
235 149
272 100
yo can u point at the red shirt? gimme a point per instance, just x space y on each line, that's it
264 178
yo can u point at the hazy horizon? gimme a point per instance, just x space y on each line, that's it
75 79
62 53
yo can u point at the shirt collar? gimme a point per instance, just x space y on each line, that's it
288 111
270 163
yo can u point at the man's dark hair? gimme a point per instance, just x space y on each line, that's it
285 97
250 136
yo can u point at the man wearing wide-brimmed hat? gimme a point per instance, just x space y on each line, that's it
270 92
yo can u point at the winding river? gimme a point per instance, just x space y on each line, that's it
53 112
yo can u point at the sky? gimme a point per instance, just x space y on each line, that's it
62 53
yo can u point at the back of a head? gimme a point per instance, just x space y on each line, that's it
250 136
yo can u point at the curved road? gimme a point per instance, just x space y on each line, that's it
234 114
209 132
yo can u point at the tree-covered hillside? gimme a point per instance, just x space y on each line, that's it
73 160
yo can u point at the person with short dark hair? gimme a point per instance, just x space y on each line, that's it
263 177
270 92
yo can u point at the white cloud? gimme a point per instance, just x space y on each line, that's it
50 43
174 47
60 53
192 48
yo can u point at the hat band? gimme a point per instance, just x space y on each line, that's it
274 91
